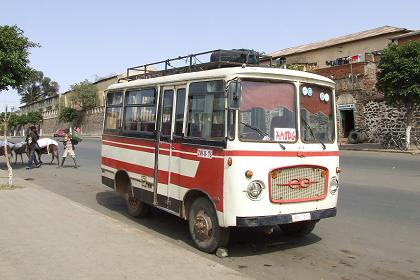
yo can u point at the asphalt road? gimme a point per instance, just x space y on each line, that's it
376 234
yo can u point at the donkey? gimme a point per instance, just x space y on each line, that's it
9 148
45 146
50 149
19 149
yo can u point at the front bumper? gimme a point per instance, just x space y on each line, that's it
282 219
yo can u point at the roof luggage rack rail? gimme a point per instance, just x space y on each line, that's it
192 63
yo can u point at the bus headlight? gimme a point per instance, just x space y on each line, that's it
255 189
333 185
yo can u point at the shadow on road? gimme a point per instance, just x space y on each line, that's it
243 242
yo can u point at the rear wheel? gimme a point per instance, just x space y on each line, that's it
299 229
204 227
135 207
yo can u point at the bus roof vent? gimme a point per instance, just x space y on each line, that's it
194 62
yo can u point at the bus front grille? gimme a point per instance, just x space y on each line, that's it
298 183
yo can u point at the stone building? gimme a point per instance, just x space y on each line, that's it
351 61
90 122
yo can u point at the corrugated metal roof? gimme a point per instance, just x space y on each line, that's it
339 40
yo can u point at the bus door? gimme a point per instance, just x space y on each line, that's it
164 148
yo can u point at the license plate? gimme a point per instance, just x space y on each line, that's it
301 217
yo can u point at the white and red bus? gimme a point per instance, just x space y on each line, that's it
222 148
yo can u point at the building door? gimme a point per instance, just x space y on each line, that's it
347 121
164 142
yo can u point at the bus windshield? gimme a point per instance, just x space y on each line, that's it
267 112
316 114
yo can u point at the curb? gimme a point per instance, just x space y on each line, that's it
378 150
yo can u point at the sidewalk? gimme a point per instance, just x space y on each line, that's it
47 236
373 147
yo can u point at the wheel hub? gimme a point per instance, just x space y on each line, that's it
132 202
203 226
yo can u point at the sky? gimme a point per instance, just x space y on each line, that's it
90 39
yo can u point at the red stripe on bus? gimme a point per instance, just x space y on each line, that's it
134 168
163 145
175 153
135 148
208 178
135 141
180 151
179 148
281 153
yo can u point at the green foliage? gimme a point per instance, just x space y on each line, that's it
23 119
14 120
294 67
14 52
68 115
84 95
37 88
75 140
399 74
34 117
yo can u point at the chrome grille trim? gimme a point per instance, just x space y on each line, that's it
298 183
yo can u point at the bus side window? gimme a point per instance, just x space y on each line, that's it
179 111
206 110
113 114
140 111
168 98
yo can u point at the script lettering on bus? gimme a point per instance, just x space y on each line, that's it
201 153
285 134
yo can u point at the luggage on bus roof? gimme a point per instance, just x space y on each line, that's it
236 55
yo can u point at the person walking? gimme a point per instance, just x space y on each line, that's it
31 141
68 149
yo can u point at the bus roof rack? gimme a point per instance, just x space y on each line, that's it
191 63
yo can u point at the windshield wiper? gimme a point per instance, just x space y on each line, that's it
262 133
312 133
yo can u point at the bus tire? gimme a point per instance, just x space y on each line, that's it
204 227
299 229
353 137
135 207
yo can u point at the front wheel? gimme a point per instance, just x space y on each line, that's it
204 227
299 229
135 207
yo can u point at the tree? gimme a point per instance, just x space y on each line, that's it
69 115
34 118
84 95
14 52
399 78
14 121
37 88
14 69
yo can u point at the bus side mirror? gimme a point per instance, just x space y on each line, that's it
234 94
